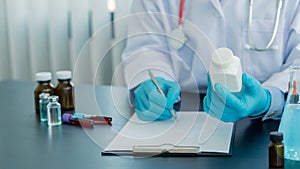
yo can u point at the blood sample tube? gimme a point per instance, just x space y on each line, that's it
97 119
81 122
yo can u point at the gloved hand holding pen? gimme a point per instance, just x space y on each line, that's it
151 105
252 100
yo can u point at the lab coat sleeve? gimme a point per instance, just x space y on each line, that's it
277 104
147 46
278 83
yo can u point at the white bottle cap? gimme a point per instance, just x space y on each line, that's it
43 76
63 75
222 56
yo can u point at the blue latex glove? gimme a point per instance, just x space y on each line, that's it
150 105
252 100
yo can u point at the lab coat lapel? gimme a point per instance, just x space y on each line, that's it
217 6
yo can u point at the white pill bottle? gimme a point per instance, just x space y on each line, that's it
226 69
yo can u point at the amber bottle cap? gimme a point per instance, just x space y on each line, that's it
276 136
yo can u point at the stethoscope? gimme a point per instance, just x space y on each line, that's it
177 37
269 45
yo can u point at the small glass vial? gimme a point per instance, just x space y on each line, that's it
276 150
43 86
44 100
226 69
54 111
65 91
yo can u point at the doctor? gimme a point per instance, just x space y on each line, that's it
175 39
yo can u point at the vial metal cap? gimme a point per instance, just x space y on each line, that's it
276 136
64 75
43 76
44 95
53 98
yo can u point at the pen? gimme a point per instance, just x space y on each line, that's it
160 91
96 119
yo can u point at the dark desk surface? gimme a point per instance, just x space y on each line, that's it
27 143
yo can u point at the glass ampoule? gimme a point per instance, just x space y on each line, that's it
54 111
44 101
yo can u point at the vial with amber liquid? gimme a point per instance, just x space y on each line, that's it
43 86
65 91
276 150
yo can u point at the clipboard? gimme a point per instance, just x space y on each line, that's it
125 145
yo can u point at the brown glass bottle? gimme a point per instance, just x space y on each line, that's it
43 86
276 150
65 91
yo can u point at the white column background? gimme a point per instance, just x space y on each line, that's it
52 35
17 31
4 52
38 36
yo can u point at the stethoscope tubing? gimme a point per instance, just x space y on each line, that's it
181 9
251 41
275 28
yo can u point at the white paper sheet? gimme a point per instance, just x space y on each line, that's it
189 129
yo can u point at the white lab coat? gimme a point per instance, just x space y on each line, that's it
209 24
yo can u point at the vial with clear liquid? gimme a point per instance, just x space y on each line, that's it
44 100
54 111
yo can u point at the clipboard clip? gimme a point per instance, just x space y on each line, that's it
166 148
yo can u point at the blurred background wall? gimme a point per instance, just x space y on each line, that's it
52 35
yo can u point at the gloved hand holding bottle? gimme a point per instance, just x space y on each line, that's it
150 105
252 100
